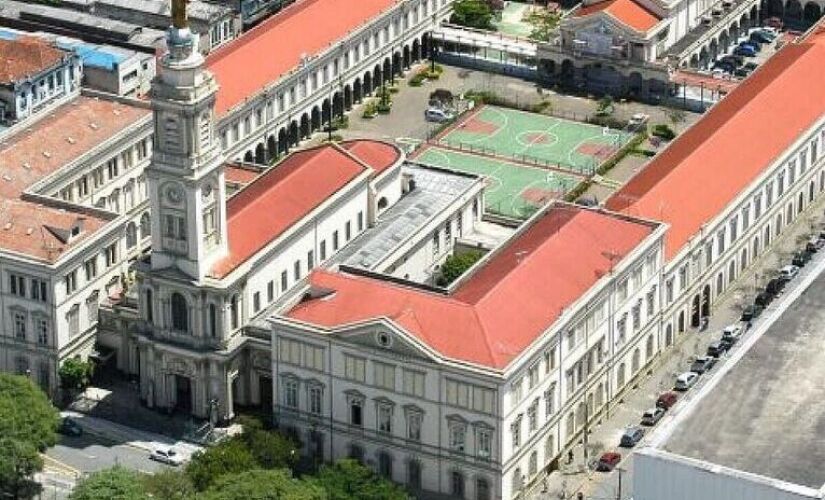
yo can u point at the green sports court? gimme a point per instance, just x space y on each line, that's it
534 139
513 190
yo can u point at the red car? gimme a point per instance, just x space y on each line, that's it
666 400
773 22
608 461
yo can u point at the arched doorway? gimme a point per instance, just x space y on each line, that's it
260 154
386 72
325 110
396 64
634 83
271 148
568 72
416 50
356 91
775 8
248 157
669 335
337 105
293 133
706 301
305 126
407 56
315 118
696 312
681 323
283 143
793 11
347 97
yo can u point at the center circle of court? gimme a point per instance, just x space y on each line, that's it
531 138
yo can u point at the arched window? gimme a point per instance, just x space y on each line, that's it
457 484
637 358
621 376
180 313
145 225
131 235
649 348
233 312
518 481
533 465
549 448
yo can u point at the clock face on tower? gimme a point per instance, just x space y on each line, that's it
174 194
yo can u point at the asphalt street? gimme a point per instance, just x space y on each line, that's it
89 453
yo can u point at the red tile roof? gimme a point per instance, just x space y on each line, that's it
703 170
628 12
278 199
238 174
28 156
501 309
307 28
378 155
27 56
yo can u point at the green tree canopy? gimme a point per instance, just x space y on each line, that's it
169 484
472 14
455 265
228 457
264 485
349 480
75 374
271 450
116 483
28 424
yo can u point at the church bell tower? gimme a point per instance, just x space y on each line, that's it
185 179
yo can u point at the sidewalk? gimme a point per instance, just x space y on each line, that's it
577 477
118 433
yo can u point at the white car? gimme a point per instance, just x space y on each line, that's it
788 272
685 381
639 119
438 115
167 456
732 332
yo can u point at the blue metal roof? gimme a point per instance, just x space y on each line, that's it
93 55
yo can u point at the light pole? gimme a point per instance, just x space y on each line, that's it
432 45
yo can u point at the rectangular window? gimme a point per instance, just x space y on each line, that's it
458 433
42 327
348 230
310 260
296 274
484 449
360 221
314 357
289 351
270 291
356 413
291 393
355 368
111 255
335 241
315 396
385 419
20 325
413 383
458 394
323 249
384 375
515 431
71 282
17 285
256 301
284 281
414 419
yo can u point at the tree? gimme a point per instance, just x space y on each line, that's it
472 14
28 425
455 265
270 449
676 115
543 24
229 457
75 374
605 106
169 484
116 483
264 485
349 480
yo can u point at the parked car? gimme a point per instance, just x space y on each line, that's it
685 381
608 461
733 59
631 436
716 349
750 66
438 115
770 33
758 36
775 286
167 456
814 245
763 298
801 258
726 66
638 119
69 427
702 364
733 332
751 312
750 43
745 51
788 273
773 22
741 73
666 400
652 416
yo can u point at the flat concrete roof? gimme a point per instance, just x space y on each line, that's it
767 415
